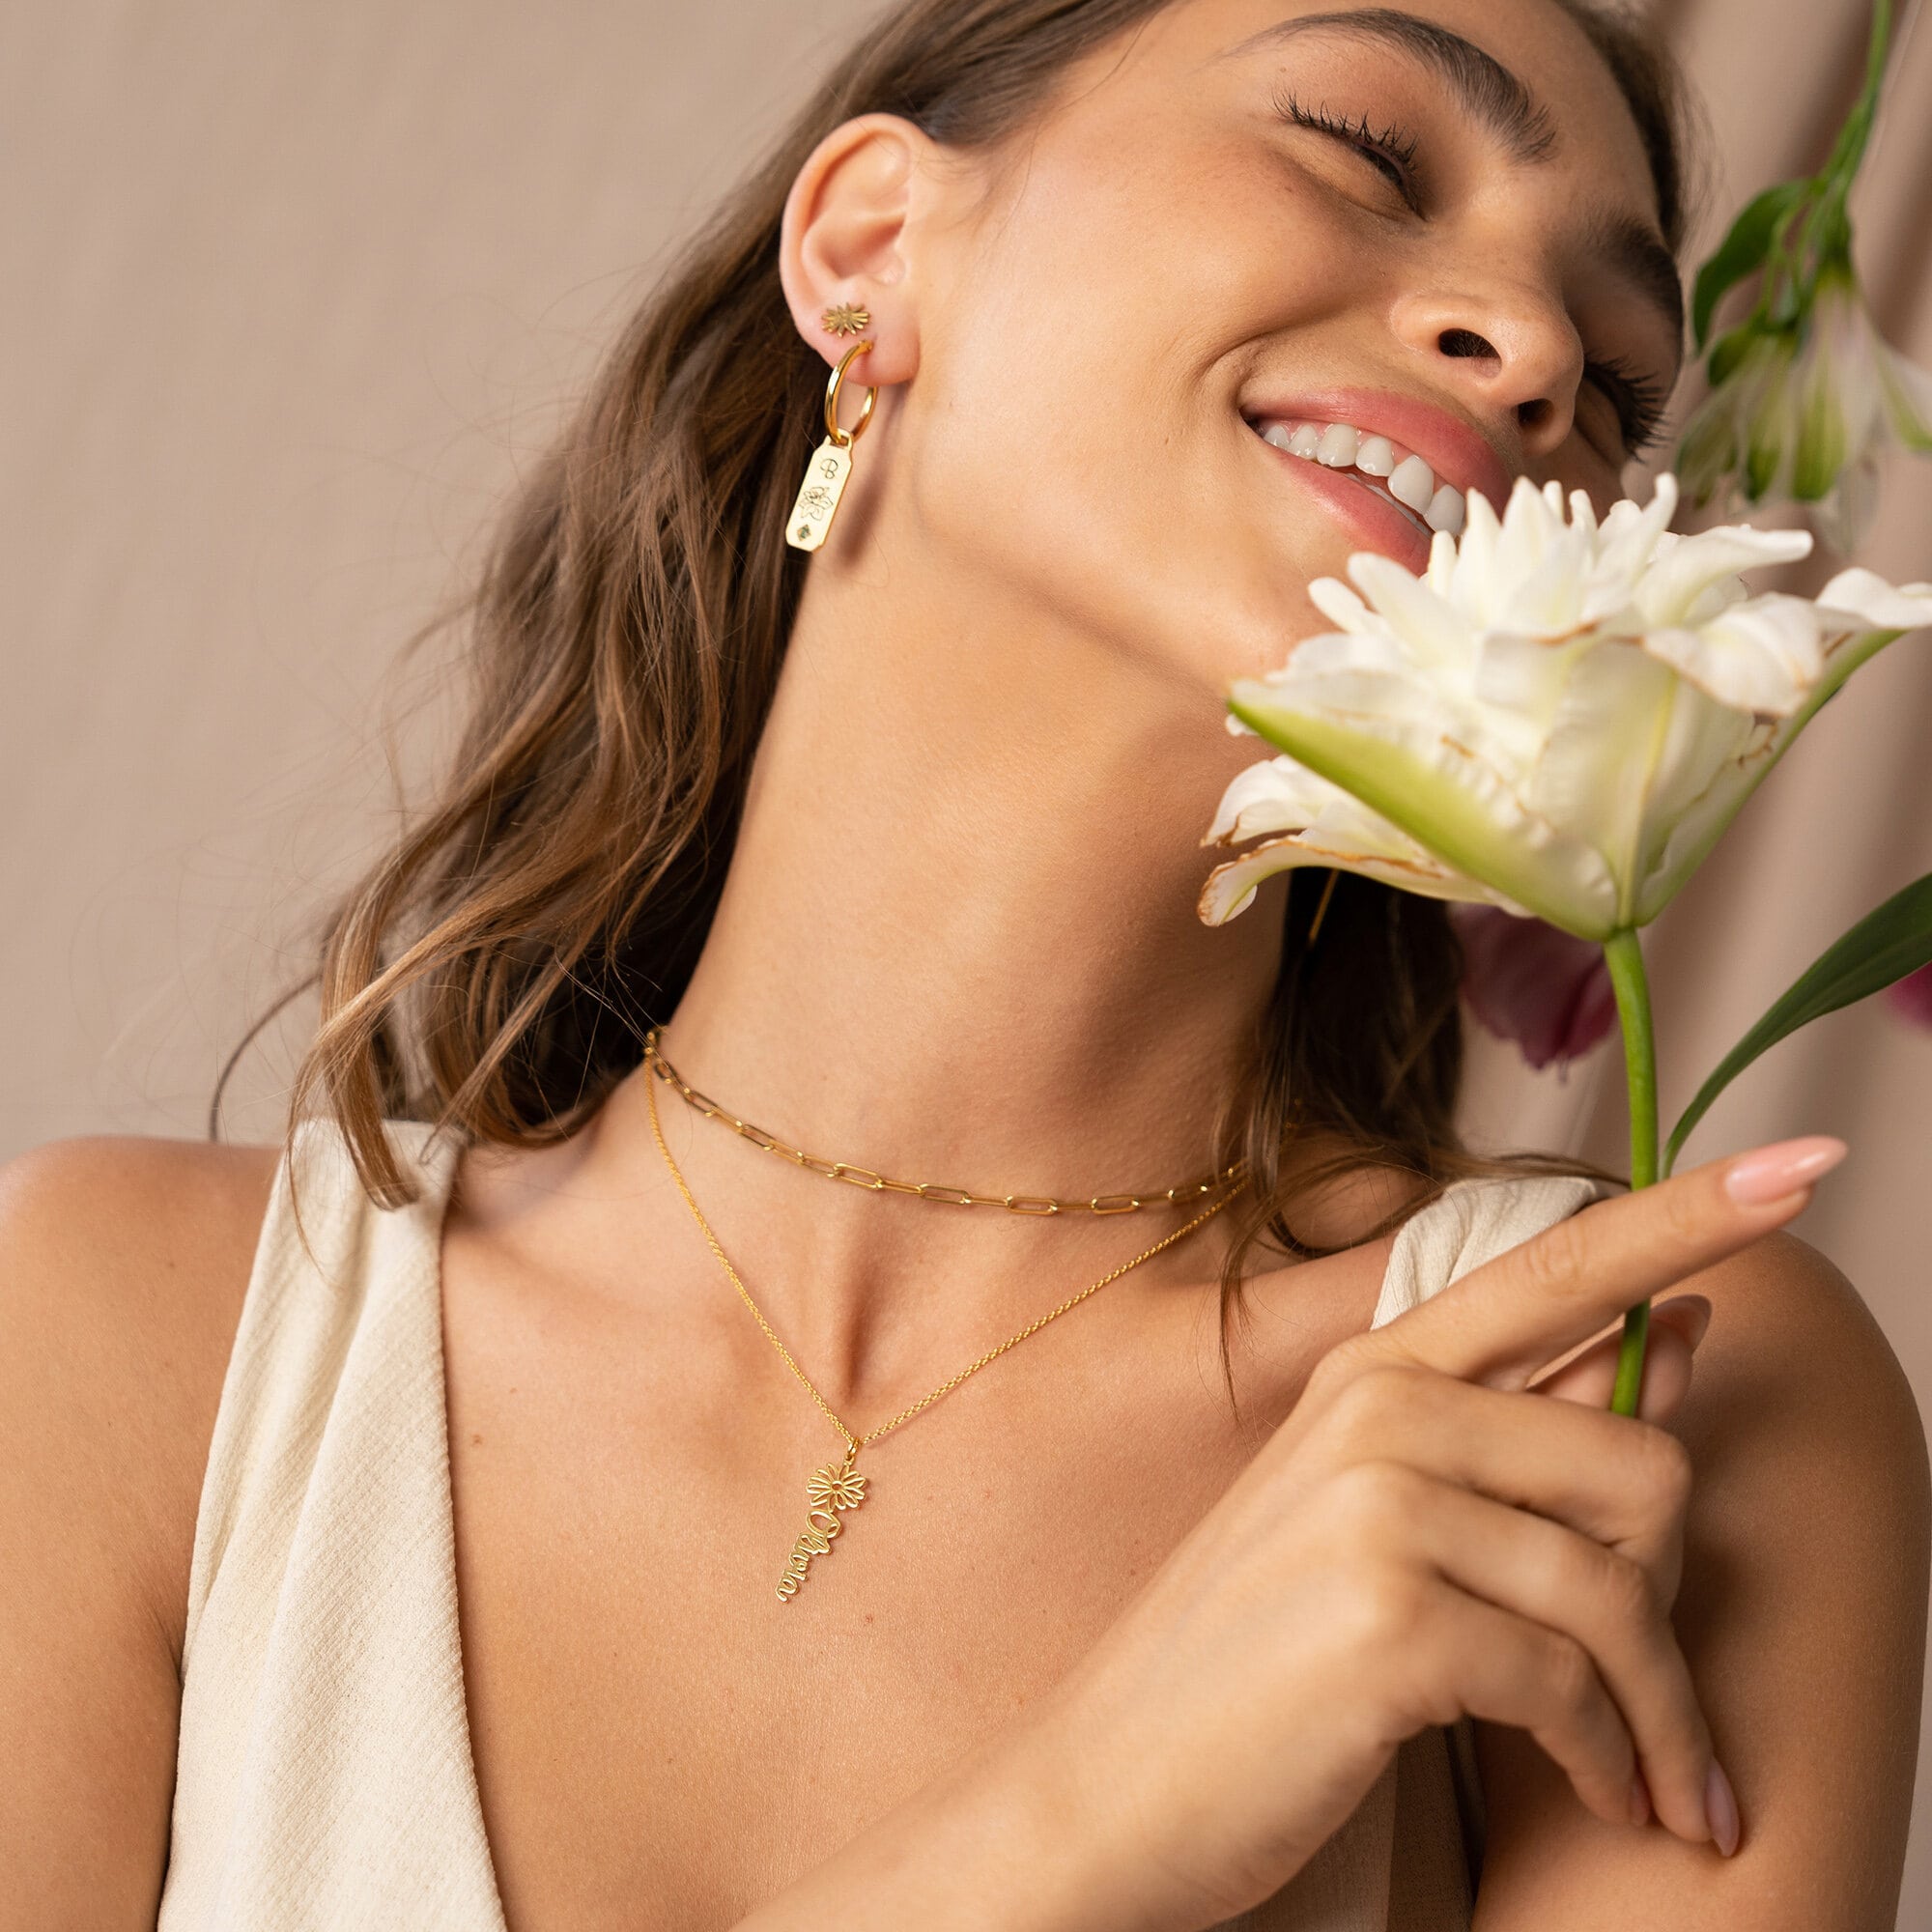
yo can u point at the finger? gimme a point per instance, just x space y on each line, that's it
1510 1670
1511 1316
1617 1479
1676 1327
1549 1575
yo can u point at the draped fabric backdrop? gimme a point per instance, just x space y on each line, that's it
298 291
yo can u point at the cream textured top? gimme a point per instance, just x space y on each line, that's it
324 1776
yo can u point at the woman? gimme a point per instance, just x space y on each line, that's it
453 1562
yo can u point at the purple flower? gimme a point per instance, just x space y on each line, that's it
1527 981
1911 998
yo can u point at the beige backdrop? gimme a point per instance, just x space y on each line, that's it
294 293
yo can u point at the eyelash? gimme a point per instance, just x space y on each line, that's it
1639 400
1392 144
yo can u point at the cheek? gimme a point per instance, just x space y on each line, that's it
1577 467
1077 442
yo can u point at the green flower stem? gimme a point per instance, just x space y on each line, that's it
1624 956
1824 229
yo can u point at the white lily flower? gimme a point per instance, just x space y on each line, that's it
1809 423
1559 718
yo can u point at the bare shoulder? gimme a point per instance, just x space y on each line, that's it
1801 1612
123 1263
123 1267
1774 1301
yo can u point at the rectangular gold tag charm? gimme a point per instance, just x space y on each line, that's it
818 494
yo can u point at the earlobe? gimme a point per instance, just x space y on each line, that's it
845 240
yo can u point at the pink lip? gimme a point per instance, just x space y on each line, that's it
1458 454
1375 523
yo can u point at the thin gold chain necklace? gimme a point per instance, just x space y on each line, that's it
836 1488
1187 1193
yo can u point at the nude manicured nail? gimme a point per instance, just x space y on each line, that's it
1720 1807
1771 1173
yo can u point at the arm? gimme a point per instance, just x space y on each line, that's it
122 1265
1802 1615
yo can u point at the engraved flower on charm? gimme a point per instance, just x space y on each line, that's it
835 1488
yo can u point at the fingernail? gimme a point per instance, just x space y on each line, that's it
1639 1801
1771 1173
1721 1807
1695 1307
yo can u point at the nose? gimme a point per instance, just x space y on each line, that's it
1510 353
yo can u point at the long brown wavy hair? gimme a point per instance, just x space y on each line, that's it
495 972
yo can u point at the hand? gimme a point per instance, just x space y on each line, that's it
1428 1534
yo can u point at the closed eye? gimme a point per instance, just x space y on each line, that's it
1639 399
1391 150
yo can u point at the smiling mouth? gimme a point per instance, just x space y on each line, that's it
1385 467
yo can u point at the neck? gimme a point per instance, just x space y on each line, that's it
958 943
958 932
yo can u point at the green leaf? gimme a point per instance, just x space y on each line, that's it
1883 947
1742 251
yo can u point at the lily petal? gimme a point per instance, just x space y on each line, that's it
1680 578
1339 604
1870 603
1423 620
1451 803
1229 888
1907 392
1763 655
1276 795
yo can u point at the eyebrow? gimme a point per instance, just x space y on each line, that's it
1497 101
1484 87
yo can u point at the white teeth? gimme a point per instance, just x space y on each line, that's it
1376 457
1446 510
1413 482
1404 475
1338 446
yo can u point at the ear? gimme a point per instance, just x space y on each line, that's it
844 240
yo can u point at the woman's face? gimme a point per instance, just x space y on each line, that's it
1423 244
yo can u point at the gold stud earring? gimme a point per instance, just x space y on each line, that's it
847 319
831 464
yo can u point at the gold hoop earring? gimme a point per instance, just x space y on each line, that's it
831 464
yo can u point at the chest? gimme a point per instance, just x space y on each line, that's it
660 1737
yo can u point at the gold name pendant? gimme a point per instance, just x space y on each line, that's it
830 1491
831 464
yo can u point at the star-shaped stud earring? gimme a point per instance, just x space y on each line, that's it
847 318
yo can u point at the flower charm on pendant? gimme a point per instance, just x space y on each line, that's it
834 1487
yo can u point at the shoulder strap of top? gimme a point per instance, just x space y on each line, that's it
326 1260
1469 1223
324 1774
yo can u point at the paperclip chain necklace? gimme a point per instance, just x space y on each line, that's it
1184 1195
836 1488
